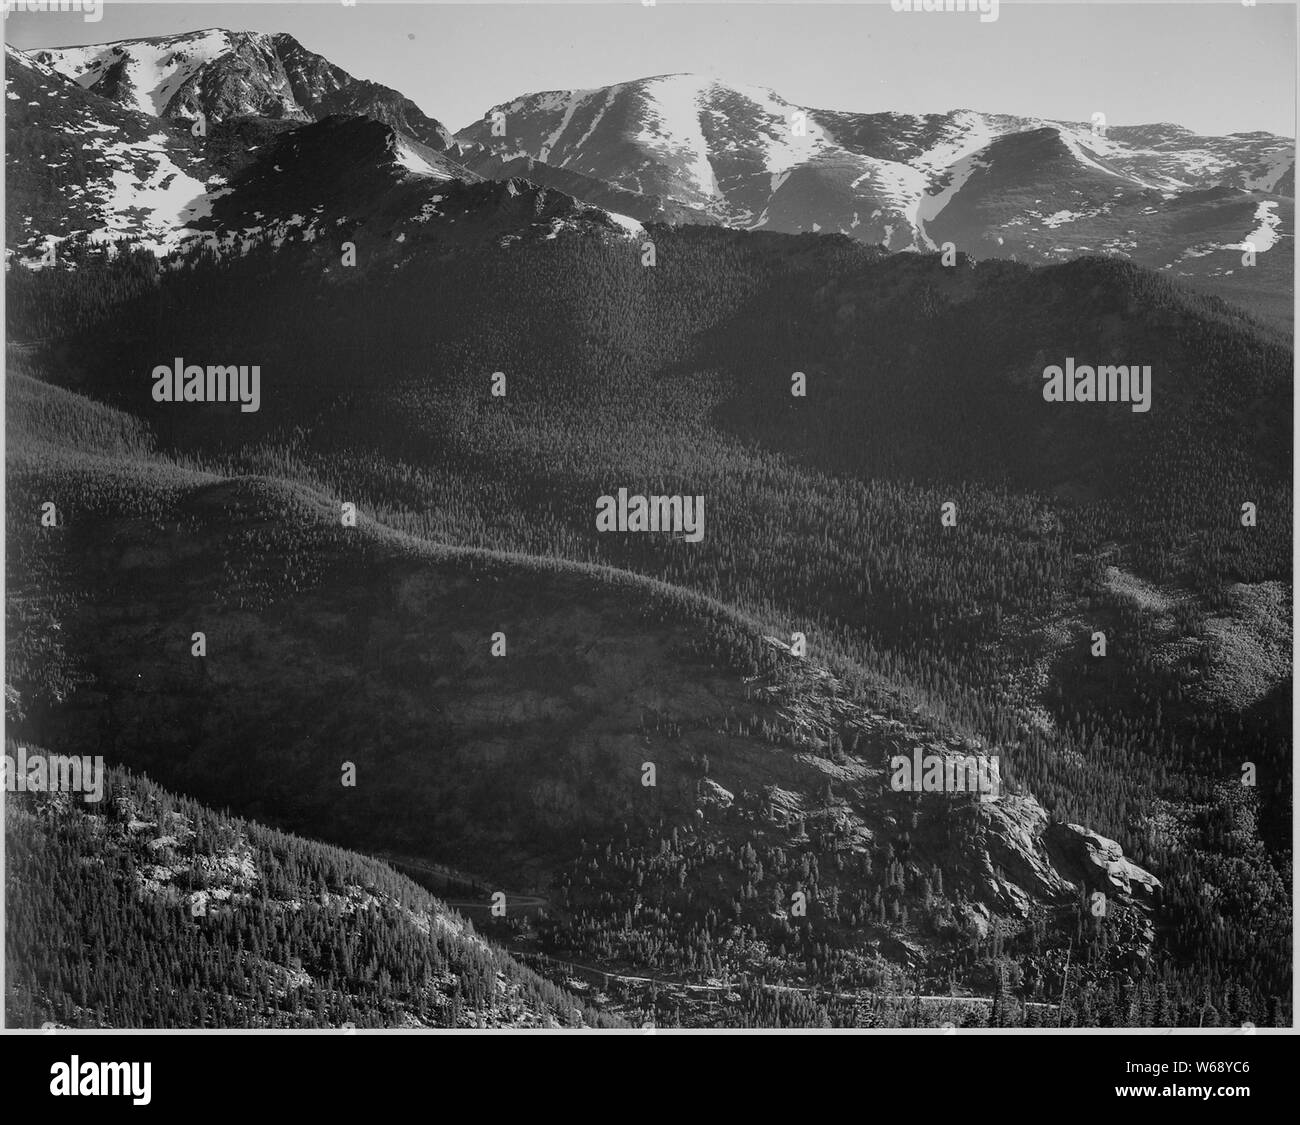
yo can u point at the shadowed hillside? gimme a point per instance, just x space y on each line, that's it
330 648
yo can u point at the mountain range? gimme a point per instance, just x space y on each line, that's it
674 148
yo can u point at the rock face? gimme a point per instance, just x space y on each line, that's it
1001 857
711 793
1017 858
1099 864
1013 866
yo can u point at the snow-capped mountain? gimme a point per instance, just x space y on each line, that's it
750 158
226 74
82 166
672 148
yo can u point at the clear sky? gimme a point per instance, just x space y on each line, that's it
1213 67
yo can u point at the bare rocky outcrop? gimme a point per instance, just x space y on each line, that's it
1099 864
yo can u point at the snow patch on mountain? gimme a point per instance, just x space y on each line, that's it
1081 154
929 206
155 69
573 100
612 93
969 133
1266 234
409 159
672 127
145 198
896 185
633 228
152 208
1056 219
783 147
954 158
778 178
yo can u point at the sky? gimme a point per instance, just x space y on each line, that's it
1214 67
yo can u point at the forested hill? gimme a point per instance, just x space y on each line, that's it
151 910
924 388
521 755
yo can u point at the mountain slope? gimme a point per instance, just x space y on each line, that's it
76 162
357 180
234 925
328 644
1043 195
643 208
